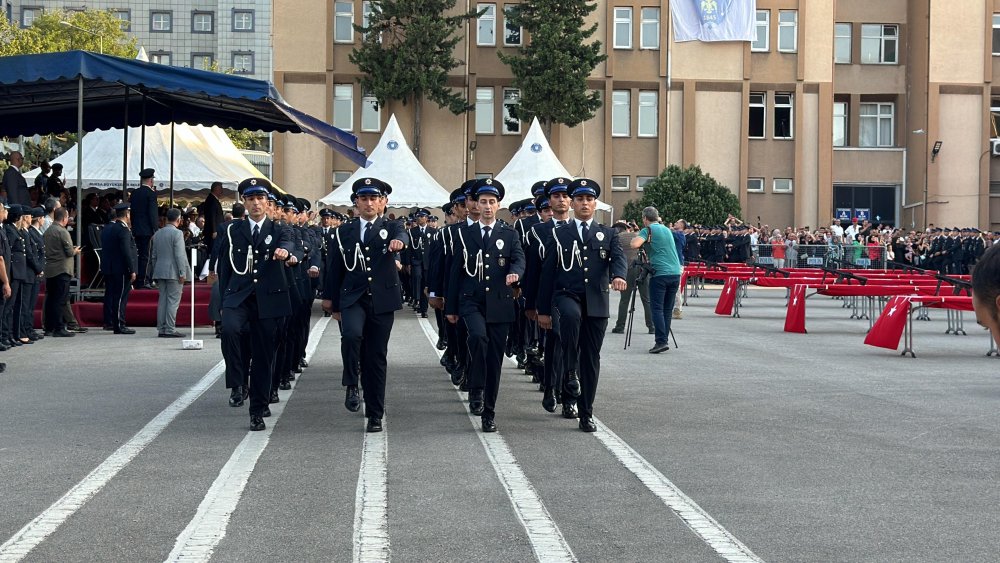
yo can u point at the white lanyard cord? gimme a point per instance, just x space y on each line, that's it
249 264
477 272
343 255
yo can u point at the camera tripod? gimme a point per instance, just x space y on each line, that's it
631 318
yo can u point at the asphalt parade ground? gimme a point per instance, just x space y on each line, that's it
744 443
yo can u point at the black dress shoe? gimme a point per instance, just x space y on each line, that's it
587 424
4 347
457 376
569 410
297 369
12 343
266 412
423 315
62 334
572 383
617 330
124 330
3 367
257 423
274 397
374 425
303 363
489 425
476 402
171 335
659 348
108 327
291 376
236 397
285 385
549 400
463 385
353 400
77 329
441 344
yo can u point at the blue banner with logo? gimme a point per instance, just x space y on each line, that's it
713 20
863 214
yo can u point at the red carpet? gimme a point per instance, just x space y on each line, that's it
141 308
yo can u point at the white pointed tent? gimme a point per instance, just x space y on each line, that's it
202 155
533 162
392 161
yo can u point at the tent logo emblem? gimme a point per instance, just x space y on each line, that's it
536 147
392 145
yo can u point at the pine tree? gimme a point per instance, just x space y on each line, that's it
407 52
551 70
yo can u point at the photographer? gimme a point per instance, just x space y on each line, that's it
666 276
625 238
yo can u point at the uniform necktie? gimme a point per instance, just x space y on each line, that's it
586 231
256 233
368 232
486 237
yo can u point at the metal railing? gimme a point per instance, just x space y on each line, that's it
821 255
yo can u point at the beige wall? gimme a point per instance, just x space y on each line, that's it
958 40
957 167
816 40
717 149
867 166
807 188
300 43
304 158
707 61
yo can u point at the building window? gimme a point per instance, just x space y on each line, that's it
842 43
788 28
371 114
29 14
486 31
124 18
202 22
755 185
343 106
343 22
619 183
160 57
995 118
649 29
757 115
202 61
648 115
782 186
879 43
511 125
621 112
623 28
242 62
840 124
762 32
996 34
511 32
161 22
484 111
243 20
641 181
783 116
876 123
340 176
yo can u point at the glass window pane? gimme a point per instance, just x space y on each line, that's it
648 113
487 25
511 125
512 33
484 111
842 46
761 27
343 111
620 110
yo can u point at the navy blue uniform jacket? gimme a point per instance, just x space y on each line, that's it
602 260
354 268
487 289
256 270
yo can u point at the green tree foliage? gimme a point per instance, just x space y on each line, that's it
685 193
551 70
95 30
407 52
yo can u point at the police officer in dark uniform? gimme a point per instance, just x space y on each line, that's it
437 285
488 261
119 264
581 259
5 283
36 265
20 279
145 222
361 289
254 294
421 235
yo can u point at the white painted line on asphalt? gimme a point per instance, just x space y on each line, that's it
203 533
544 535
371 504
33 533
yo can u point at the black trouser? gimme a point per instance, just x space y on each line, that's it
18 291
28 313
360 323
417 287
240 327
451 332
56 293
142 253
581 338
486 344
116 290
305 315
281 349
238 376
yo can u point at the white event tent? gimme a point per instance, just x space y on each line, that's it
533 162
202 155
393 162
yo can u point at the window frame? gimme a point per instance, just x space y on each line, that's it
760 182
154 55
194 20
640 185
995 37
654 107
791 185
369 101
628 183
170 21
655 32
346 175
762 105
505 112
622 21
339 17
490 18
618 103
127 20
35 11
253 62
850 42
348 124
492 109
879 143
766 24
506 28
211 57
790 106
795 30
253 20
846 119
882 39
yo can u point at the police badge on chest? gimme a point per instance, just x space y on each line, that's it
502 261
604 254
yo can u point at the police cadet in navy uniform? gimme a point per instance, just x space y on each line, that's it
421 236
361 289
254 293
119 264
581 259
437 285
488 261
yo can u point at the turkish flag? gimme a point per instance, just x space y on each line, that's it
728 297
888 329
795 315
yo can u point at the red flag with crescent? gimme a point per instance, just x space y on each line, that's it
888 329
795 315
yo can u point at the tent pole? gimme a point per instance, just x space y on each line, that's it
142 136
125 149
78 223
172 169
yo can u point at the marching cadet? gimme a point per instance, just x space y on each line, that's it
435 255
440 270
361 289
556 198
254 294
488 262
420 235
310 270
581 259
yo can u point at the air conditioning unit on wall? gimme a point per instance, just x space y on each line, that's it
995 146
